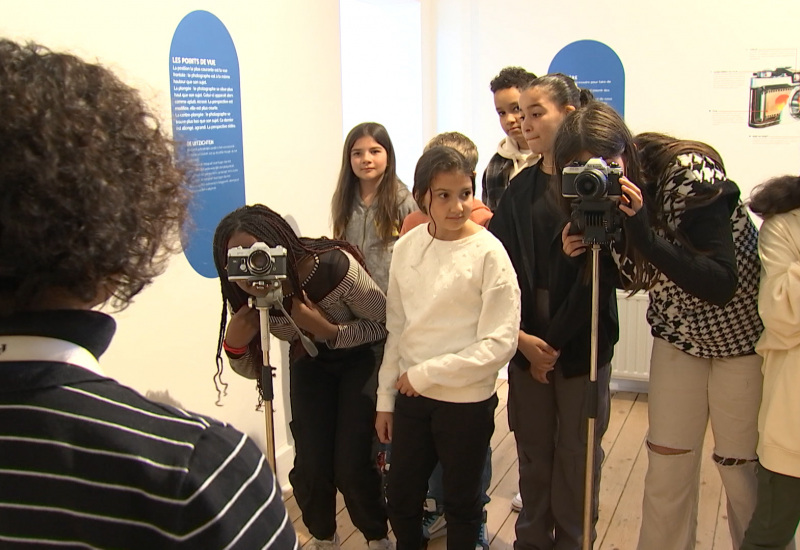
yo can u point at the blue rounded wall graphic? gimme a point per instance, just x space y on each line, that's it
594 66
207 123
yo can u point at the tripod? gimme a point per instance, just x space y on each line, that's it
273 298
600 223
592 402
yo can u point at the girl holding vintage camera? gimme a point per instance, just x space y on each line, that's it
694 249
548 377
331 298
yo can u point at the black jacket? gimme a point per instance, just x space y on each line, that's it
568 283
495 180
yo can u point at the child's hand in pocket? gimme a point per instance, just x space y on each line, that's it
405 387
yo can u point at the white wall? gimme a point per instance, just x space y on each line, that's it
291 111
670 51
381 76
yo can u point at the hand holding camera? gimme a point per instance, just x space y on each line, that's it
632 200
242 327
571 242
595 187
262 268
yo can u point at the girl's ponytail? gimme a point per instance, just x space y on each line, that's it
585 96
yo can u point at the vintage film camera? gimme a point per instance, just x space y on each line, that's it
592 179
257 263
770 92
595 189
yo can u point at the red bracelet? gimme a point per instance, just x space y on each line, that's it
234 351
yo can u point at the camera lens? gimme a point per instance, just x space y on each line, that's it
794 104
259 262
590 183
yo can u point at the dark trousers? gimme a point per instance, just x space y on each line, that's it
333 424
550 425
457 435
777 513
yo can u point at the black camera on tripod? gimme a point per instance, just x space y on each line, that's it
596 191
592 179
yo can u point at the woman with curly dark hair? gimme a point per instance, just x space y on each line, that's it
330 297
90 197
777 512
91 203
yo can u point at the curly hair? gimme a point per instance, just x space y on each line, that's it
776 196
511 77
91 195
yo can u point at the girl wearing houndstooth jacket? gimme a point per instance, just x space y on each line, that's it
696 254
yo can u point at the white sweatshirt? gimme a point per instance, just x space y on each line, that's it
452 312
522 158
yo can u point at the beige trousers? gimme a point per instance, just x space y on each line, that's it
685 392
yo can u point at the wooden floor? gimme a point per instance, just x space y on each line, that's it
620 488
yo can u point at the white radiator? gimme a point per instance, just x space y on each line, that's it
632 352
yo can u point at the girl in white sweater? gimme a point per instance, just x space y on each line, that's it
453 319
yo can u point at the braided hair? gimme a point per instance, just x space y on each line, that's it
269 227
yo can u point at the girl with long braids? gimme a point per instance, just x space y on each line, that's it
691 244
332 299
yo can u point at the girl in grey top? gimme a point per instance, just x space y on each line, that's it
370 202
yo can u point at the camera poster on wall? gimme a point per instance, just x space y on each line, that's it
596 67
761 95
207 123
774 94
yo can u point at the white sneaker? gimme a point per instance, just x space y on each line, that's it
516 502
322 544
433 523
382 544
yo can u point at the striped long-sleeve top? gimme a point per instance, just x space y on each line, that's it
88 463
346 294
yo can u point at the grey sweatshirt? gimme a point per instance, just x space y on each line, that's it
362 232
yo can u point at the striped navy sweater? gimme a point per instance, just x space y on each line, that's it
88 463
